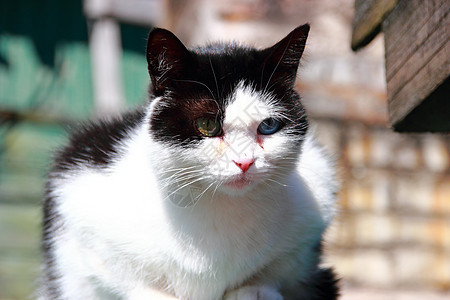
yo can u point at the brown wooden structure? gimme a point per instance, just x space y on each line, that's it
417 53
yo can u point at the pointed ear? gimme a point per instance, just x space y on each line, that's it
166 57
282 59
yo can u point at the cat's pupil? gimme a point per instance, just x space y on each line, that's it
208 126
269 126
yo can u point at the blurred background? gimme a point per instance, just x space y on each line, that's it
62 62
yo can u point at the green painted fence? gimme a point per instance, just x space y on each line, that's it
45 86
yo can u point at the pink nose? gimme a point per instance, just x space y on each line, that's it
244 163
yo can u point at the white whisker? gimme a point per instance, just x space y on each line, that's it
183 186
285 185
202 193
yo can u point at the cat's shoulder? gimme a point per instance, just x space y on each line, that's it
97 143
318 168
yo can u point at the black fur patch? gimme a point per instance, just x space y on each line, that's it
324 282
322 285
95 144
325 285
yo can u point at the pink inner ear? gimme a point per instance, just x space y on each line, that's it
244 163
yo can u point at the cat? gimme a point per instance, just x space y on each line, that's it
214 189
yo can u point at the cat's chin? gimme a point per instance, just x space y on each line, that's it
238 186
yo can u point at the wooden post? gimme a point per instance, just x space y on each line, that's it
106 48
106 55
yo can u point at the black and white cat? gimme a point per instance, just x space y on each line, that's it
215 189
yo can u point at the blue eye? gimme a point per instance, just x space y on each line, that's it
269 126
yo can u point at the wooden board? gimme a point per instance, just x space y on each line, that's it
417 62
423 104
431 115
408 27
367 20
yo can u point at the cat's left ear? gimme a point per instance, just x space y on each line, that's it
167 59
282 59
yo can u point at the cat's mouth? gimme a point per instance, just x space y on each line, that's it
239 183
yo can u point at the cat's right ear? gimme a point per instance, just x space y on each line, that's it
166 58
282 59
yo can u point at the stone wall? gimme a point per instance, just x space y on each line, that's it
393 228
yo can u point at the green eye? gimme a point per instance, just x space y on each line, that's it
208 126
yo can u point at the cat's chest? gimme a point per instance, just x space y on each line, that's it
228 233
223 245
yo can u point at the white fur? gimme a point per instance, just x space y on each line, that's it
125 232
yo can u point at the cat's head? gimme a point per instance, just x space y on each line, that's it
228 115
